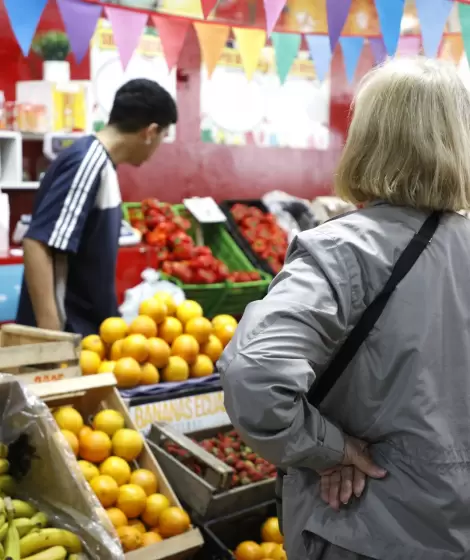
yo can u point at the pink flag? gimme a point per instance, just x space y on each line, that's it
408 46
273 9
172 32
127 30
207 7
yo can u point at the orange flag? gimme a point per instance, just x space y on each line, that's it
249 45
212 40
452 48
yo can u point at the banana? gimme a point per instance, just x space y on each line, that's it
2 552
4 466
23 525
23 509
2 506
3 531
54 553
12 543
3 451
40 520
47 538
77 557
7 484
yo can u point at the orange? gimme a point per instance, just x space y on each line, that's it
224 320
84 431
137 523
108 421
135 346
89 470
170 329
116 468
268 548
89 362
117 517
202 367
168 300
248 550
173 521
185 346
159 352
130 537
270 531
131 500
112 329
155 505
151 538
115 352
149 374
154 308
176 370
127 444
72 440
127 372
200 328
279 553
224 333
145 479
68 418
106 367
212 348
155 530
94 343
187 310
95 447
106 490
143 325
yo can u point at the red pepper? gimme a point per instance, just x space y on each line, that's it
259 246
204 277
202 251
183 251
156 239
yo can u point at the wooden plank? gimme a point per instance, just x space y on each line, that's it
41 353
48 376
31 334
86 383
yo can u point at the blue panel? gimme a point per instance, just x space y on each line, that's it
11 276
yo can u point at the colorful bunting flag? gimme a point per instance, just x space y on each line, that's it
433 15
452 48
24 17
127 30
273 9
80 21
320 51
172 35
408 46
352 49
390 13
249 44
378 49
286 47
337 13
464 16
212 40
207 6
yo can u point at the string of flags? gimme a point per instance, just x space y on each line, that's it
80 18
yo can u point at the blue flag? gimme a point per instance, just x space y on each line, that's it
24 17
320 51
433 16
352 49
390 13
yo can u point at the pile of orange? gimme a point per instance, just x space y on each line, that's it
271 547
106 451
165 342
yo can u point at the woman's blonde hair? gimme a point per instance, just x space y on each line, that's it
409 139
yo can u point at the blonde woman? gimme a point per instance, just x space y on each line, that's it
353 374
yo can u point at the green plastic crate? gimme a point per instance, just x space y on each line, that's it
226 297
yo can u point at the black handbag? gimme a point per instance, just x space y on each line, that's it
364 326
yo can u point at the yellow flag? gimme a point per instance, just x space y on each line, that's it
212 40
452 48
249 44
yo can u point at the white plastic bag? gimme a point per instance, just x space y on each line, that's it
150 285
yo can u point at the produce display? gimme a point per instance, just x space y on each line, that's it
107 451
270 548
166 342
177 253
25 532
228 447
261 230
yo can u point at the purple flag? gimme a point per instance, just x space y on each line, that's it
337 13
433 15
80 19
127 30
378 49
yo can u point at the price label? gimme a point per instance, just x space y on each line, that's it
205 210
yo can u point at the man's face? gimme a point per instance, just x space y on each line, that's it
145 144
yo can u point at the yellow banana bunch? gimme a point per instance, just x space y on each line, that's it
53 553
3 451
3 531
23 526
4 466
40 520
7 484
47 538
23 509
12 539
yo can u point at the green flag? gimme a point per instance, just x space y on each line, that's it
464 16
286 46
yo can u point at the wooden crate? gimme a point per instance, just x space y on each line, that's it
88 395
39 355
209 497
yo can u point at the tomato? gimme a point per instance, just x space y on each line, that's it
204 277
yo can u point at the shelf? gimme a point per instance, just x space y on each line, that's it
20 186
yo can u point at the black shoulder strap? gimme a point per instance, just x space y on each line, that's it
366 323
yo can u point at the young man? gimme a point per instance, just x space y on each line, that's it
70 249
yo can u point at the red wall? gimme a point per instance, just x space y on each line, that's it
190 167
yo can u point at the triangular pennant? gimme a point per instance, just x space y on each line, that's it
127 30
272 10
207 6
320 51
286 47
352 49
408 46
24 17
172 34
378 49
433 15
452 48
337 13
249 44
212 40
80 19
464 16
390 13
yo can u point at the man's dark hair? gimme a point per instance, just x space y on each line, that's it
140 103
